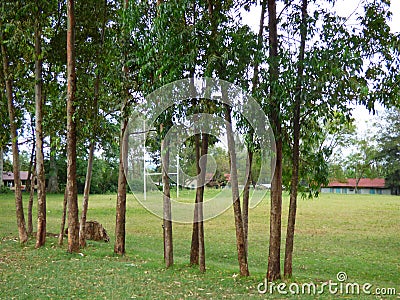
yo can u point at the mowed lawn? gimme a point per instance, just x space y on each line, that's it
355 234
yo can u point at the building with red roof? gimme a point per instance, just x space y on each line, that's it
8 179
363 186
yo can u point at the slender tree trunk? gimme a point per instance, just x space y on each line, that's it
1 166
73 219
85 204
246 197
194 250
203 166
41 191
167 214
32 158
119 246
52 186
64 216
240 239
296 147
30 203
23 235
274 263
259 45
249 162
89 171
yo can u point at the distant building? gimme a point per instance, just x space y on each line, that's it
8 179
365 186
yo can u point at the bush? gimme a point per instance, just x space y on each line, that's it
4 190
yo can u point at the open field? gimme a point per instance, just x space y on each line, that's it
356 234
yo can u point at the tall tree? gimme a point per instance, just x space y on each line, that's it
93 130
250 138
167 213
194 249
23 235
296 144
274 262
31 196
197 255
41 190
240 238
119 246
73 220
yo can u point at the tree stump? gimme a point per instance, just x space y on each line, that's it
94 231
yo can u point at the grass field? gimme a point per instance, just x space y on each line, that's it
356 234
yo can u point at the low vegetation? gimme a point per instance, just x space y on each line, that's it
356 234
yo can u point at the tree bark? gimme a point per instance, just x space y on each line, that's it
288 266
194 250
197 254
246 197
52 186
274 272
85 204
240 240
73 220
64 215
203 166
119 247
167 213
32 158
30 203
23 235
41 179
1 166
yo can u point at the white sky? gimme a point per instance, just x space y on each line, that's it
344 8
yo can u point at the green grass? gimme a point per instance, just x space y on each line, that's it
357 234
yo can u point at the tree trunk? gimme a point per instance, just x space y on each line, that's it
246 197
41 179
85 204
119 246
167 214
203 167
274 264
296 147
73 219
30 203
52 186
89 171
240 240
23 235
32 158
1 166
64 215
249 162
194 250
